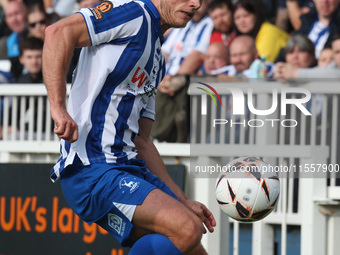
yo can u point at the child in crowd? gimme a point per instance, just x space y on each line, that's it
326 57
31 58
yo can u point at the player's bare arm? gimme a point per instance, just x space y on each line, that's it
149 153
70 32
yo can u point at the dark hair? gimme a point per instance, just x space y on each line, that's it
30 43
335 37
254 8
328 47
302 41
219 4
38 7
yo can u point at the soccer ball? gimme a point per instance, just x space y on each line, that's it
247 190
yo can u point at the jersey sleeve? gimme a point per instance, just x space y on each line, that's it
150 108
113 21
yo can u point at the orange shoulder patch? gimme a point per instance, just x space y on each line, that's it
104 7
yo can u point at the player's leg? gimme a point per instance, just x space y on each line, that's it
120 201
161 213
143 238
154 244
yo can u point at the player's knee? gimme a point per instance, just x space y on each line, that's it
191 234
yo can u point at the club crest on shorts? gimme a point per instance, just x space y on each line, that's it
128 183
103 7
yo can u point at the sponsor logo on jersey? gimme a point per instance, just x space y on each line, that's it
104 7
149 89
116 222
141 77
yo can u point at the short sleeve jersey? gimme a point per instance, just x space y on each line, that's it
182 41
114 83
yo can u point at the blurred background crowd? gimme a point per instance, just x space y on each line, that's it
272 39
282 39
22 32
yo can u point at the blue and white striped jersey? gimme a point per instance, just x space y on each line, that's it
230 70
115 82
318 34
182 41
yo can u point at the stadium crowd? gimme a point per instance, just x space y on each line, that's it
293 38
22 33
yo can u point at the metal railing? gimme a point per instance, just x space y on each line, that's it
294 128
304 142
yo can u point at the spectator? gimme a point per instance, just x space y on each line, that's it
5 77
321 23
31 58
326 57
221 13
300 52
332 70
242 54
15 15
215 58
27 3
269 39
37 20
289 13
184 50
58 9
4 30
336 50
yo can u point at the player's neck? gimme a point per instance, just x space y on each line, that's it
165 28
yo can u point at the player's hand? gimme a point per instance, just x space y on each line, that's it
66 128
203 213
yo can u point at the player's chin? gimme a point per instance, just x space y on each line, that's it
181 20
180 23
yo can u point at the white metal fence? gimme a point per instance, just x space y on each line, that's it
311 142
321 128
26 127
27 137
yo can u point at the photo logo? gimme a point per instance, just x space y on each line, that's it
204 98
242 104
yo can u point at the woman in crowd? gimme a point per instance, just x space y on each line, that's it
300 52
37 20
248 20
